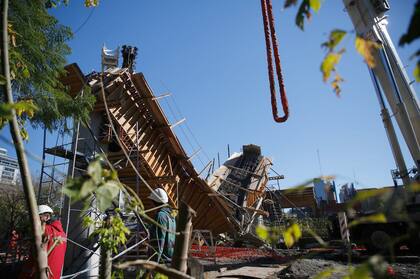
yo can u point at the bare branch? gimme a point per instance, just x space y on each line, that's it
154 266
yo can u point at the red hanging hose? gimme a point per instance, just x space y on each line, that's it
270 39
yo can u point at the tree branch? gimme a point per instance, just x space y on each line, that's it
41 254
154 266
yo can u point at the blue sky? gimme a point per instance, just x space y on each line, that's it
211 56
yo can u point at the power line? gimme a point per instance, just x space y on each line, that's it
84 22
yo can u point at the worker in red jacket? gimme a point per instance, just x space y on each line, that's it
55 238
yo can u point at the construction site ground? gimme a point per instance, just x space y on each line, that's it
298 264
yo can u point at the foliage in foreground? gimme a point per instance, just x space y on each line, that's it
38 47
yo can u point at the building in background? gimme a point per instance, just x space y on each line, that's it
347 192
324 191
9 168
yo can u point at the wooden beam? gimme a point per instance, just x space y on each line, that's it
155 180
177 123
194 154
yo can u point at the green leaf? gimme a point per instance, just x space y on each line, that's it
366 48
416 72
24 134
367 194
336 84
324 273
329 63
335 37
288 239
291 235
26 106
360 272
105 194
315 5
88 187
302 12
262 232
413 32
414 187
72 188
374 218
95 171
289 3
25 73
2 80
160 276
91 3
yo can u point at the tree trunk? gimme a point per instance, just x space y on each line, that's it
105 262
182 241
40 253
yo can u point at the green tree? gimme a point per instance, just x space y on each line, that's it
38 50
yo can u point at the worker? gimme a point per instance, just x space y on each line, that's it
163 236
13 247
55 238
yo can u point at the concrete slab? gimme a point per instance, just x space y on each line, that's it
248 272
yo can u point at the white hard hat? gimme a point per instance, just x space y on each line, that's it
159 195
44 209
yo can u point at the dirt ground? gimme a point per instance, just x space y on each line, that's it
309 268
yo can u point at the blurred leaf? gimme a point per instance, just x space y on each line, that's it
336 84
72 188
414 187
375 218
366 48
12 34
367 194
360 272
105 194
291 235
91 3
316 236
413 31
289 3
2 80
160 276
416 72
329 63
336 36
88 187
87 221
262 232
299 188
325 273
24 134
315 5
95 171
302 12
26 106
25 73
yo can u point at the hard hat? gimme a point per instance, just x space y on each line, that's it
44 209
159 195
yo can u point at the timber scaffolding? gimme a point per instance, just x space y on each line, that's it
145 133
145 149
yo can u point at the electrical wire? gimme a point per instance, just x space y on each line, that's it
84 22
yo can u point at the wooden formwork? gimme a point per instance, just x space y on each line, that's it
147 136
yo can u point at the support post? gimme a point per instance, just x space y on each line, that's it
182 240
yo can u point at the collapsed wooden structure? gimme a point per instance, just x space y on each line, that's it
148 138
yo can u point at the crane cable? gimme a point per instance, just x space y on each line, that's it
270 39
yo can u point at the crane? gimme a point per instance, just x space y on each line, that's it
390 81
